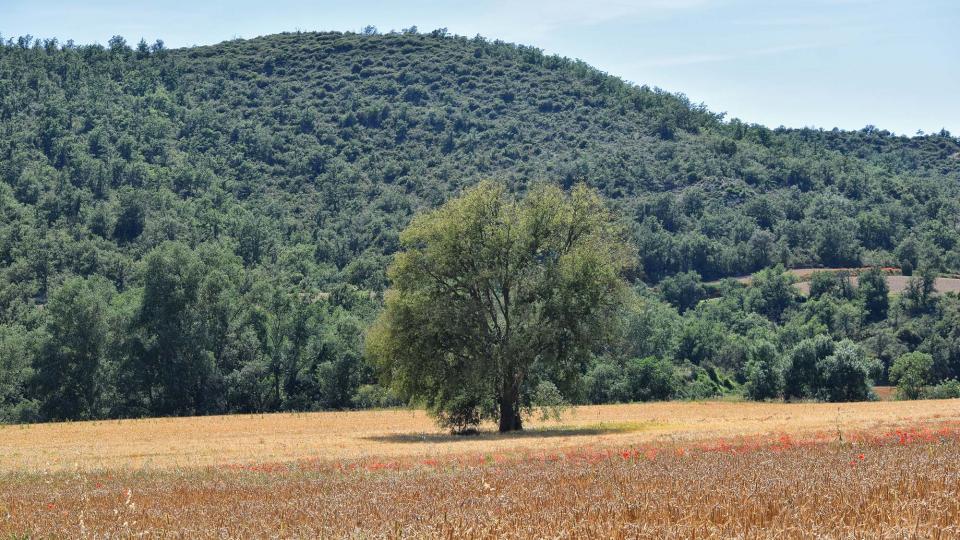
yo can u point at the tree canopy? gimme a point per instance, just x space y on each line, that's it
490 295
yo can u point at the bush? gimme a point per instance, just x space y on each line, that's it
949 389
771 293
605 383
651 379
911 372
801 378
706 383
845 374
683 290
764 373
461 414
374 396
549 401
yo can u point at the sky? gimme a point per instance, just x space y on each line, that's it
796 63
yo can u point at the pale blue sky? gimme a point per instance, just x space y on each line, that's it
823 63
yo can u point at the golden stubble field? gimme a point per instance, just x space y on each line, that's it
664 470
218 440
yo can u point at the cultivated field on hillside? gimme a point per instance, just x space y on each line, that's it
895 281
665 470
898 284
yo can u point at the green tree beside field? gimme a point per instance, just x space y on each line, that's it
491 294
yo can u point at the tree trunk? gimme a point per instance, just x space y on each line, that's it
510 411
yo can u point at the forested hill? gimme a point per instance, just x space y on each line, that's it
222 214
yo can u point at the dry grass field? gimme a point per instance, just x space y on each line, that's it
216 440
665 470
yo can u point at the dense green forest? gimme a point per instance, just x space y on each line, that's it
206 230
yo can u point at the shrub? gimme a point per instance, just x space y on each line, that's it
683 290
949 389
705 383
845 374
374 396
651 379
801 377
764 373
771 293
461 414
548 400
605 383
911 372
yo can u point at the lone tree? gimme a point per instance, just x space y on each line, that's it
491 293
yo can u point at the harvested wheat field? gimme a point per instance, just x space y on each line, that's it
666 470
216 440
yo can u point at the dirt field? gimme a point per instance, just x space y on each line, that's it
896 282
666 470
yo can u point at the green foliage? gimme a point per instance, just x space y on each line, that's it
648 328
683 290
918 297
772 293
874 293
802 378
836 244
547 399
949 389
72 361
836 284
487 288
605 382
17 348
652 379
764 372
820 368
374 396
911 372
262 184
707 383
845 374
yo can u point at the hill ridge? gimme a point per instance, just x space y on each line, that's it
248 175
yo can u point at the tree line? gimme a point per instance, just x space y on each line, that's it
270 180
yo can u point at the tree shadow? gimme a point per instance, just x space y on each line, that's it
535 433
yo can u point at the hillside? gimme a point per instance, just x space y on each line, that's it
206 229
